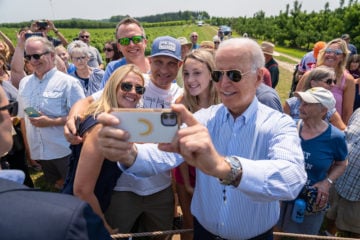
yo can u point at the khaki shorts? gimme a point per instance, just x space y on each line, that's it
345 213
130 212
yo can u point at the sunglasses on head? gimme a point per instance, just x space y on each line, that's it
108 49
337 52
330 81
85 36
233 75
35 56
12 108
127 87
126 41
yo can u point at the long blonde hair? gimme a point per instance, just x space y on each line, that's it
108 99
192 102
340 68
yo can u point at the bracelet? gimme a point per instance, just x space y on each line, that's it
330 181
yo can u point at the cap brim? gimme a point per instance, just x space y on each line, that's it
187 44
306 97
166 54
272 54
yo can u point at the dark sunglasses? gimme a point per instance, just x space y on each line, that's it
127 87
330 81
233 75
35 56
85 36
78 59
12 108
337 52
108 49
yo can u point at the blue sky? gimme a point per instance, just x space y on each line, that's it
26 10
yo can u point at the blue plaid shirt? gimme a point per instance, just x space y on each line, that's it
348 184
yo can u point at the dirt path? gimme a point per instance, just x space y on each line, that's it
288 66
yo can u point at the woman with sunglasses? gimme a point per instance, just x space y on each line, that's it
89 77
319 77
353 66
334 55
111 51
199 92
95 177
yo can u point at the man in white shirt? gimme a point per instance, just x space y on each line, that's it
51 93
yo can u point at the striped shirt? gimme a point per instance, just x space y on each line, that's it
267 144
348 184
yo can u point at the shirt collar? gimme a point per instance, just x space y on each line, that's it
248 115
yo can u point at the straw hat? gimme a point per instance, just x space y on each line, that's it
268 48
184 41
207 44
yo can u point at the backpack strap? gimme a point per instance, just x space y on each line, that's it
88 123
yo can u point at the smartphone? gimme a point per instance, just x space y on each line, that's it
32 112
148 125
39 34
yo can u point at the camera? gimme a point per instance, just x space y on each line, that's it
42 24
168 119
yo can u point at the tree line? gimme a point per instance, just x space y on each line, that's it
296 28
292 27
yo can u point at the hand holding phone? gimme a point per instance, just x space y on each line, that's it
148 125
32 112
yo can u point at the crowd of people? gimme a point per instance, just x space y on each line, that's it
239 158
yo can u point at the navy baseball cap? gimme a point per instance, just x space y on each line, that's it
166 46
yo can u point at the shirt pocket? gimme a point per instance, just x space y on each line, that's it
52 104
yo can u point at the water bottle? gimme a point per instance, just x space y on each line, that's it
298 211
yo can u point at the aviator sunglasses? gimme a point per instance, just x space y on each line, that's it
233 75
126 41
35 56
337 52
12 108
126 87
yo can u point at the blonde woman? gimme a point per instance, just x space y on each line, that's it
95 178
334 55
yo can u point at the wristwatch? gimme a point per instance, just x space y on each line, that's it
234 176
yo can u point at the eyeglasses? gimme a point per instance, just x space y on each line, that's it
216 42
337 52
194 36
127 87
11 107
126 41
233 75
108 49
35 56
85 36
330 81
78 59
